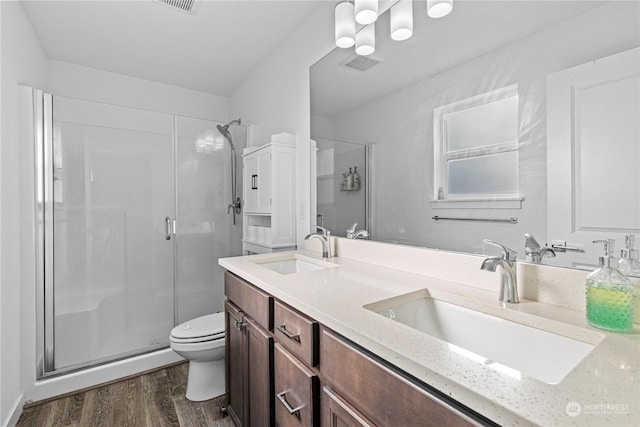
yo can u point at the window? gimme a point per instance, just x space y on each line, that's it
476 147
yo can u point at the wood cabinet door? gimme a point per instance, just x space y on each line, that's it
260 396
339 413
235 364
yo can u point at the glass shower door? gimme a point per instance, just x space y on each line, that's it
205 230
110 199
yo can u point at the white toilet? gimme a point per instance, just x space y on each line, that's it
201 341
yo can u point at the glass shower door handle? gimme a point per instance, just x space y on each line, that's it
167 228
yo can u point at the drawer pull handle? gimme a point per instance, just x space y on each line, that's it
283 400
239 324
283 329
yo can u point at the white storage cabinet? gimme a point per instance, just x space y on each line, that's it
269 198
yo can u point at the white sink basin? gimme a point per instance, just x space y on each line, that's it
506 346
292 264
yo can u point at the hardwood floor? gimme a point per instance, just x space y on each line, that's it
155 399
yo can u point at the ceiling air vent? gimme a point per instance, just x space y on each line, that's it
181 5
361 63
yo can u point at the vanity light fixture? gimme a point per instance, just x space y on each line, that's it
439 8
402 20
345 24
366 40
366 11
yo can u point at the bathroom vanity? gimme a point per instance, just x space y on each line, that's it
328 345
274 355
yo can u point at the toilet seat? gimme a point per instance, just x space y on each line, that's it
198 330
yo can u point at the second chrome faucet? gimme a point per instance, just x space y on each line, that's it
508 280
360 234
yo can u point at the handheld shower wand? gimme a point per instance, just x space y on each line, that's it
236 202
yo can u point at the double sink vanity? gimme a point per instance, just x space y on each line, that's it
363 343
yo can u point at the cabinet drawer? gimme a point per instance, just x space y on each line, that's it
296 332
296 390
382 395
250 299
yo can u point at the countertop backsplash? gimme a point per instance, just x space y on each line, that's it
563 287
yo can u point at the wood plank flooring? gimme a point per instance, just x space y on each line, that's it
156 399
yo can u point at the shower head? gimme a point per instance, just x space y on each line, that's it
224 130
236 202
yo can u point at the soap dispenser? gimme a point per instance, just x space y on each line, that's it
609 295
629 264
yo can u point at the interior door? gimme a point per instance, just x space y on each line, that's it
593 115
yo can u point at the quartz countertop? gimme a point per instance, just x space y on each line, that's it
603 389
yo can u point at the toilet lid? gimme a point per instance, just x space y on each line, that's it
211 324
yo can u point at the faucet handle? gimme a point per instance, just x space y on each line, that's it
531 243
351 231
507 254
325 232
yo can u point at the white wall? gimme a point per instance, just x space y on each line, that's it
321 127
75 81
401 126
22 62
276 96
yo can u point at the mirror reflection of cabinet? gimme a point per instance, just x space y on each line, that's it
269 198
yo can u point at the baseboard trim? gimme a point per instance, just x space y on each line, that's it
17 411
106 383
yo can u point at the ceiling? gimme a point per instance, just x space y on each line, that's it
211 49
472 29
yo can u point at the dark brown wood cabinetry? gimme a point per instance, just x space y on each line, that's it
338 413
296 388
296 332
249 358
249 354
234 364
288 370
381 394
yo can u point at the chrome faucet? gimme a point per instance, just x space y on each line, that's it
361 234
353 234
534 252
508 280
324 236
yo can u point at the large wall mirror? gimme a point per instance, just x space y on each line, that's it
503 118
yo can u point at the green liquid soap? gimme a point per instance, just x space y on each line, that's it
610 308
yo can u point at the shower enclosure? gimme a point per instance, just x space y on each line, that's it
132 217
340 207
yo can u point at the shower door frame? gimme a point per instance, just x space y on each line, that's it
44 234
43 131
